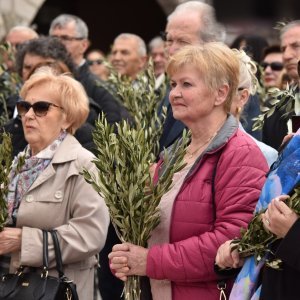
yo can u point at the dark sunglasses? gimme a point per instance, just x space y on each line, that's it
275 66
94 62
40 108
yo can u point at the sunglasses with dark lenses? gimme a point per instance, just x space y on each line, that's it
275 66
94 62
40 108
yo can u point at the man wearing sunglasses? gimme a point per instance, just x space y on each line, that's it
281 122
73 33
272 66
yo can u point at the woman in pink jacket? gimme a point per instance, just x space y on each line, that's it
213 196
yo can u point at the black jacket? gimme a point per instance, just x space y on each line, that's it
284 284
113 109
275 128
15 128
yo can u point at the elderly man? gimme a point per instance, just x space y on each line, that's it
16 36
158 54
191 23
128 54
281 122
73 32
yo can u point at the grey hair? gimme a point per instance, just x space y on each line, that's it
21 28
142 50
210 31
62 20
248 70
156 42
288 26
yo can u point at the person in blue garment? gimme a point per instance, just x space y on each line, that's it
261 281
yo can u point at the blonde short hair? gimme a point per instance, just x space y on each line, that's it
215 62
71 93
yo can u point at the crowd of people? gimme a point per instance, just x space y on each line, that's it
212 89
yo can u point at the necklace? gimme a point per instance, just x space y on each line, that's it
191 154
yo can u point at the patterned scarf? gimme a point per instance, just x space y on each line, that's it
22 178
283 177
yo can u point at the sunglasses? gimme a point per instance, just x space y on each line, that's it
275 66
40 108
94 62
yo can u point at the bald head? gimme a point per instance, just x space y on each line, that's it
20 34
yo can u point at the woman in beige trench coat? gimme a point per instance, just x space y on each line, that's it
49 192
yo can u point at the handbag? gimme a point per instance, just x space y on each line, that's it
33 285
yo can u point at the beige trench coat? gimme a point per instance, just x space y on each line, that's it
60 198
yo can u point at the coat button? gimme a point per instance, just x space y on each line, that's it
58 194
29 198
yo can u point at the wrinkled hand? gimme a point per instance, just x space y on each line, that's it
10 240
128 259
279 218
228 258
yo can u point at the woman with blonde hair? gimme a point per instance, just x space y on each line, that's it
213 196
48 191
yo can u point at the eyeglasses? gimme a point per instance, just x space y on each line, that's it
94 62
275 66
40 108
68 38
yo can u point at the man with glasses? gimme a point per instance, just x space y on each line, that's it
73 33
281 122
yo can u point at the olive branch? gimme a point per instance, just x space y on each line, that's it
256 239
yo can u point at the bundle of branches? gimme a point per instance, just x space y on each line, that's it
124 181
9 81
5 167
140 98
256 240
278 99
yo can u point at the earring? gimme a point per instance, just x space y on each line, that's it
238 110
64 130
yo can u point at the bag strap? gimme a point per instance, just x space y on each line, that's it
45 254
59 264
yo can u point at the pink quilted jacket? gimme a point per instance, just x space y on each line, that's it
199 226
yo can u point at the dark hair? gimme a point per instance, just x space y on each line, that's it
254 45
271 49
46 47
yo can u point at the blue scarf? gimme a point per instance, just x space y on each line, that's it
282 179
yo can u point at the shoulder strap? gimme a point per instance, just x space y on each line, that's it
59 264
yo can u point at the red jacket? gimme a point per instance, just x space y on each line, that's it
199 227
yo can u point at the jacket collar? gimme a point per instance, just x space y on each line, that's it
67 151
225 133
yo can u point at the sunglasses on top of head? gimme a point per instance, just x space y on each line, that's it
40 108
275 66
